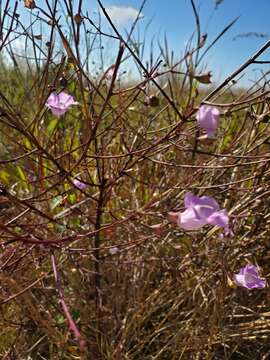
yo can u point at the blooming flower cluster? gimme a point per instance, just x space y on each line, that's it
201 211
205 210
60 103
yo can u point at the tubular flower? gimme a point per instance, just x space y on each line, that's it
201 211
249 278
79 184
60 103
208 119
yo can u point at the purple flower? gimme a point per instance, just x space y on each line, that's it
208 119
249 278
201 211
79 184
60 103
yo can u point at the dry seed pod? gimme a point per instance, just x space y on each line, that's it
29 4
266 118
38 37
204 78
202 40
78 19
63 82
152 101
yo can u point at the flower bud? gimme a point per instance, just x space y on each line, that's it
158 229
173 217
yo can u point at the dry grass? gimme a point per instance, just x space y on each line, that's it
83 274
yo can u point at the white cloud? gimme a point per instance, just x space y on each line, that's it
121 15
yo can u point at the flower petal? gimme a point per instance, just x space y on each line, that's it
208 119
190 199
188 220
258 284
250 269
66 99
209 201
79 184
239 280
219 218
52 99
57 111
60 103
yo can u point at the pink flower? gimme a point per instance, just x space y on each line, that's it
79 184
208 119
201 211
249 278
60 103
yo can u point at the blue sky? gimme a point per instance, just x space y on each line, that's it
175 18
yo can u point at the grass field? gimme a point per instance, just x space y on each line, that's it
92 262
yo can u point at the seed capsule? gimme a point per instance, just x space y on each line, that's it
78 19
152 101
63 82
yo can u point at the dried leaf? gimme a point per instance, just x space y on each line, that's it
109 233
152 101
202 40
204 78
230 283
29 4
38 37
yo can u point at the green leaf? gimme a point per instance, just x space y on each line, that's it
4 176
27 144
76 221
75 314
60 319
56 202
52 126
23 178
72 198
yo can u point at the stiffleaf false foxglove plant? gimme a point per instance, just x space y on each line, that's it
60 103
208 119
249 278
201 211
